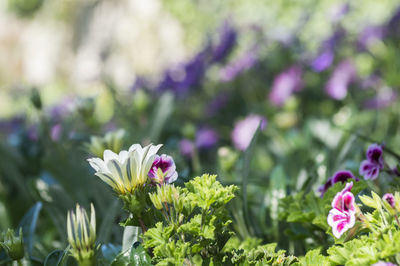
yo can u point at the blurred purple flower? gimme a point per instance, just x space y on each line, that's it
55 132
390 199
326 55
337 85
370 168
62 109
340 176
186 147
181 79
206 138
337 12
227 40
381 100
369 36
243 63
163 170
140 83
33 133
383 263
244 130
332 42
392 27
216 104
9 126
285 84
372 81
323 61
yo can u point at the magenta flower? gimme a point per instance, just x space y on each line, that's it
285 84
390 199
383 263
163 170
370 168
340 176
338 83
342 215
244 130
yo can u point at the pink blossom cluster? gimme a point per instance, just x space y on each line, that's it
342 215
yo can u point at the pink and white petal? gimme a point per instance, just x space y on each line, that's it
348 187
348 201
335 216
337 202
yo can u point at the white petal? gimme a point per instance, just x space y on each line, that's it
135 147
109 155
123 155
116 172
98 164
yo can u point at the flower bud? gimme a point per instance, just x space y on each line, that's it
13 244
36 99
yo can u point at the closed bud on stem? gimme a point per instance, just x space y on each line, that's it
13 244
82 235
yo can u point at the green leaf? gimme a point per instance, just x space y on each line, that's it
139 256
313 257
136 255
57 258
130 236
28 225
54 258
161 114
248 155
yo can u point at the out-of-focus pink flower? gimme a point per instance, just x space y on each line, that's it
369 36
55 132
285 84
243 63
163 170
206 138
186 147
383 99
337 85
342 215
390 199
323 61
244 130
370 168
383 263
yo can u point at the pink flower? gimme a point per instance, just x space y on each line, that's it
244 130
337 85
370 168
163 170
390 199
285 84
342 215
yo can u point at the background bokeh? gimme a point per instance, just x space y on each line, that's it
274 96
